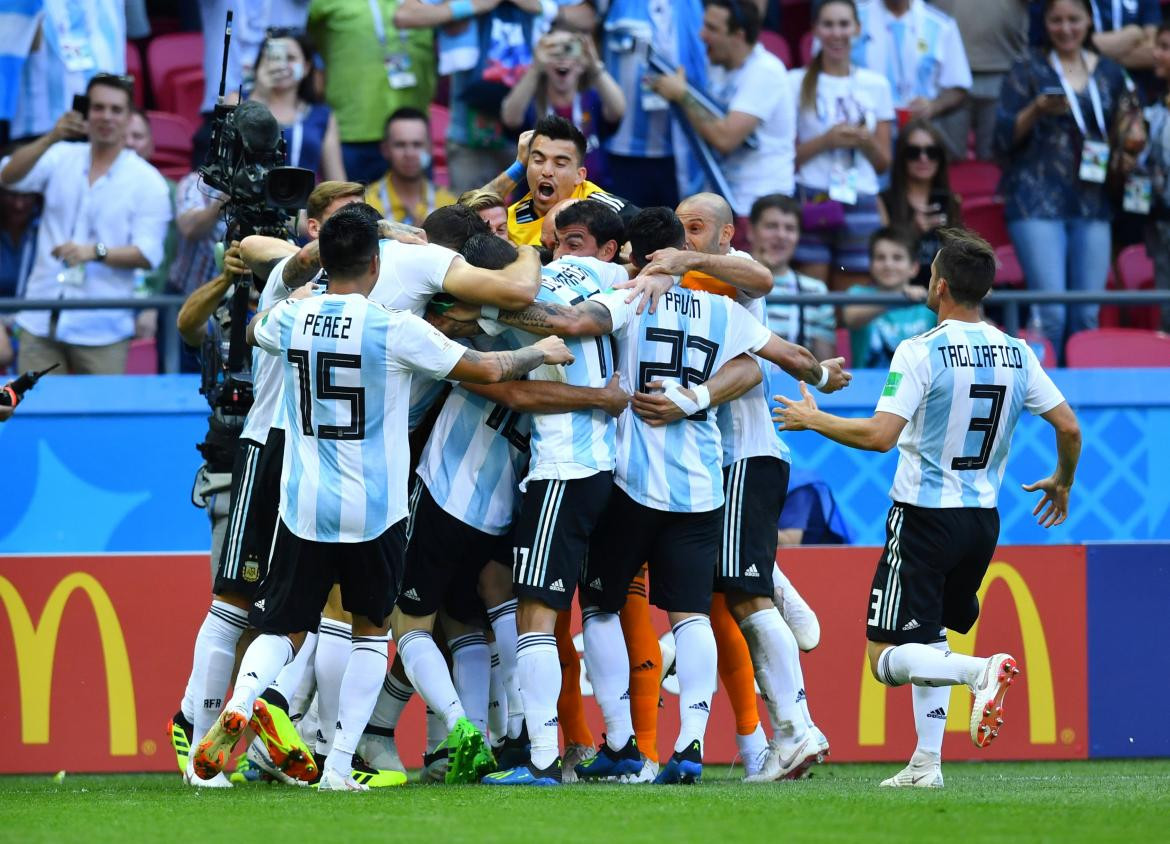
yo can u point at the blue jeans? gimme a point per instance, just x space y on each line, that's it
1063 255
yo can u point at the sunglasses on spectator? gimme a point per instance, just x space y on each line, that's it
934 153
124 82
283 32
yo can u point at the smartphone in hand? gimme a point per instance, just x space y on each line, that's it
81 106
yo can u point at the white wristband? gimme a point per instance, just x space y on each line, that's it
703 395
681 400
489 312
824 377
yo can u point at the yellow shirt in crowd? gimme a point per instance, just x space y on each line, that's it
381 195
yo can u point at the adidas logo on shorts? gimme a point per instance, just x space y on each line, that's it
752 571
596 584
410 593
912 624
937 713
259 605
557 586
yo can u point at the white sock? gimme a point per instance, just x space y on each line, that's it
263 660
391 701
751 746
289 679
930 713
333 648
608 665
471 668
302 698
211 667
436 730
801 693
773 649
428 672
503 621
359 690
539 674
497 717
923 665
696 664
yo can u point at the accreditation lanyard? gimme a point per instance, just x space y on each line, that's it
1098 25
1074 103
380 28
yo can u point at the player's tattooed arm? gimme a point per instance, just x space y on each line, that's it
585 319
491 367
304 266
554 396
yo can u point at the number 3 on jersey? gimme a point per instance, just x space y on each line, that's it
674 369
986 425
328 391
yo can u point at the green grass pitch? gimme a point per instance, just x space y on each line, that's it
1123 801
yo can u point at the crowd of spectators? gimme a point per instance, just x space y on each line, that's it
835 130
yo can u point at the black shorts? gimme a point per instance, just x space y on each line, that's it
753 490
927 579
444 557
680 548
551 537
255 501
301 572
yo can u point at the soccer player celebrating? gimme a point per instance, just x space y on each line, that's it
347 369
951 403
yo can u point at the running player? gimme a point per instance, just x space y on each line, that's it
951 403
348 364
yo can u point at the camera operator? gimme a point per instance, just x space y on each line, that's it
105 215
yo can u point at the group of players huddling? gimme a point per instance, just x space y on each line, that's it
590 427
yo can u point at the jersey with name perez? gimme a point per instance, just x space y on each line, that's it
676 467
961 387
347 373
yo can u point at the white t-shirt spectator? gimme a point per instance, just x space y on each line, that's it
861 98
129 205
920 53
757 87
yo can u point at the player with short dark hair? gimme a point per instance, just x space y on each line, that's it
951 403
347 366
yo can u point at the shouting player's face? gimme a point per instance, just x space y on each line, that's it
554 171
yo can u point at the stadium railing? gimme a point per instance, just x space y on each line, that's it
1010 301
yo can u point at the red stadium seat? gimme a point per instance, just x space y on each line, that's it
806 48
440 117
142 358
845 346
775 44
1009 274
1118 347
1135 271
169 54
172 143
185 94
134 69
1135 268
984 215
971 179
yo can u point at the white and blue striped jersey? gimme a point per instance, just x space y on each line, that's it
642 133
745 423
961 387
411 275
473 457
347 371
267 381
579 443
677 467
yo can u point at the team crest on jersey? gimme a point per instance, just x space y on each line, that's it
251 571
892 383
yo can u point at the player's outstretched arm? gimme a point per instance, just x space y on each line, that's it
554 396
827 376
491 367
262 253
1056 487
879 432
513 287
730 381
748 274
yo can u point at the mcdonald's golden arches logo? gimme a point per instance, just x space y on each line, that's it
36 649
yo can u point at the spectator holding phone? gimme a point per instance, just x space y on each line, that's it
567 78
1056 108
843 122
284 83
105 215
919 197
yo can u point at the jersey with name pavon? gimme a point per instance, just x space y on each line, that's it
676 467
579 443
347 369
961 387
473 457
